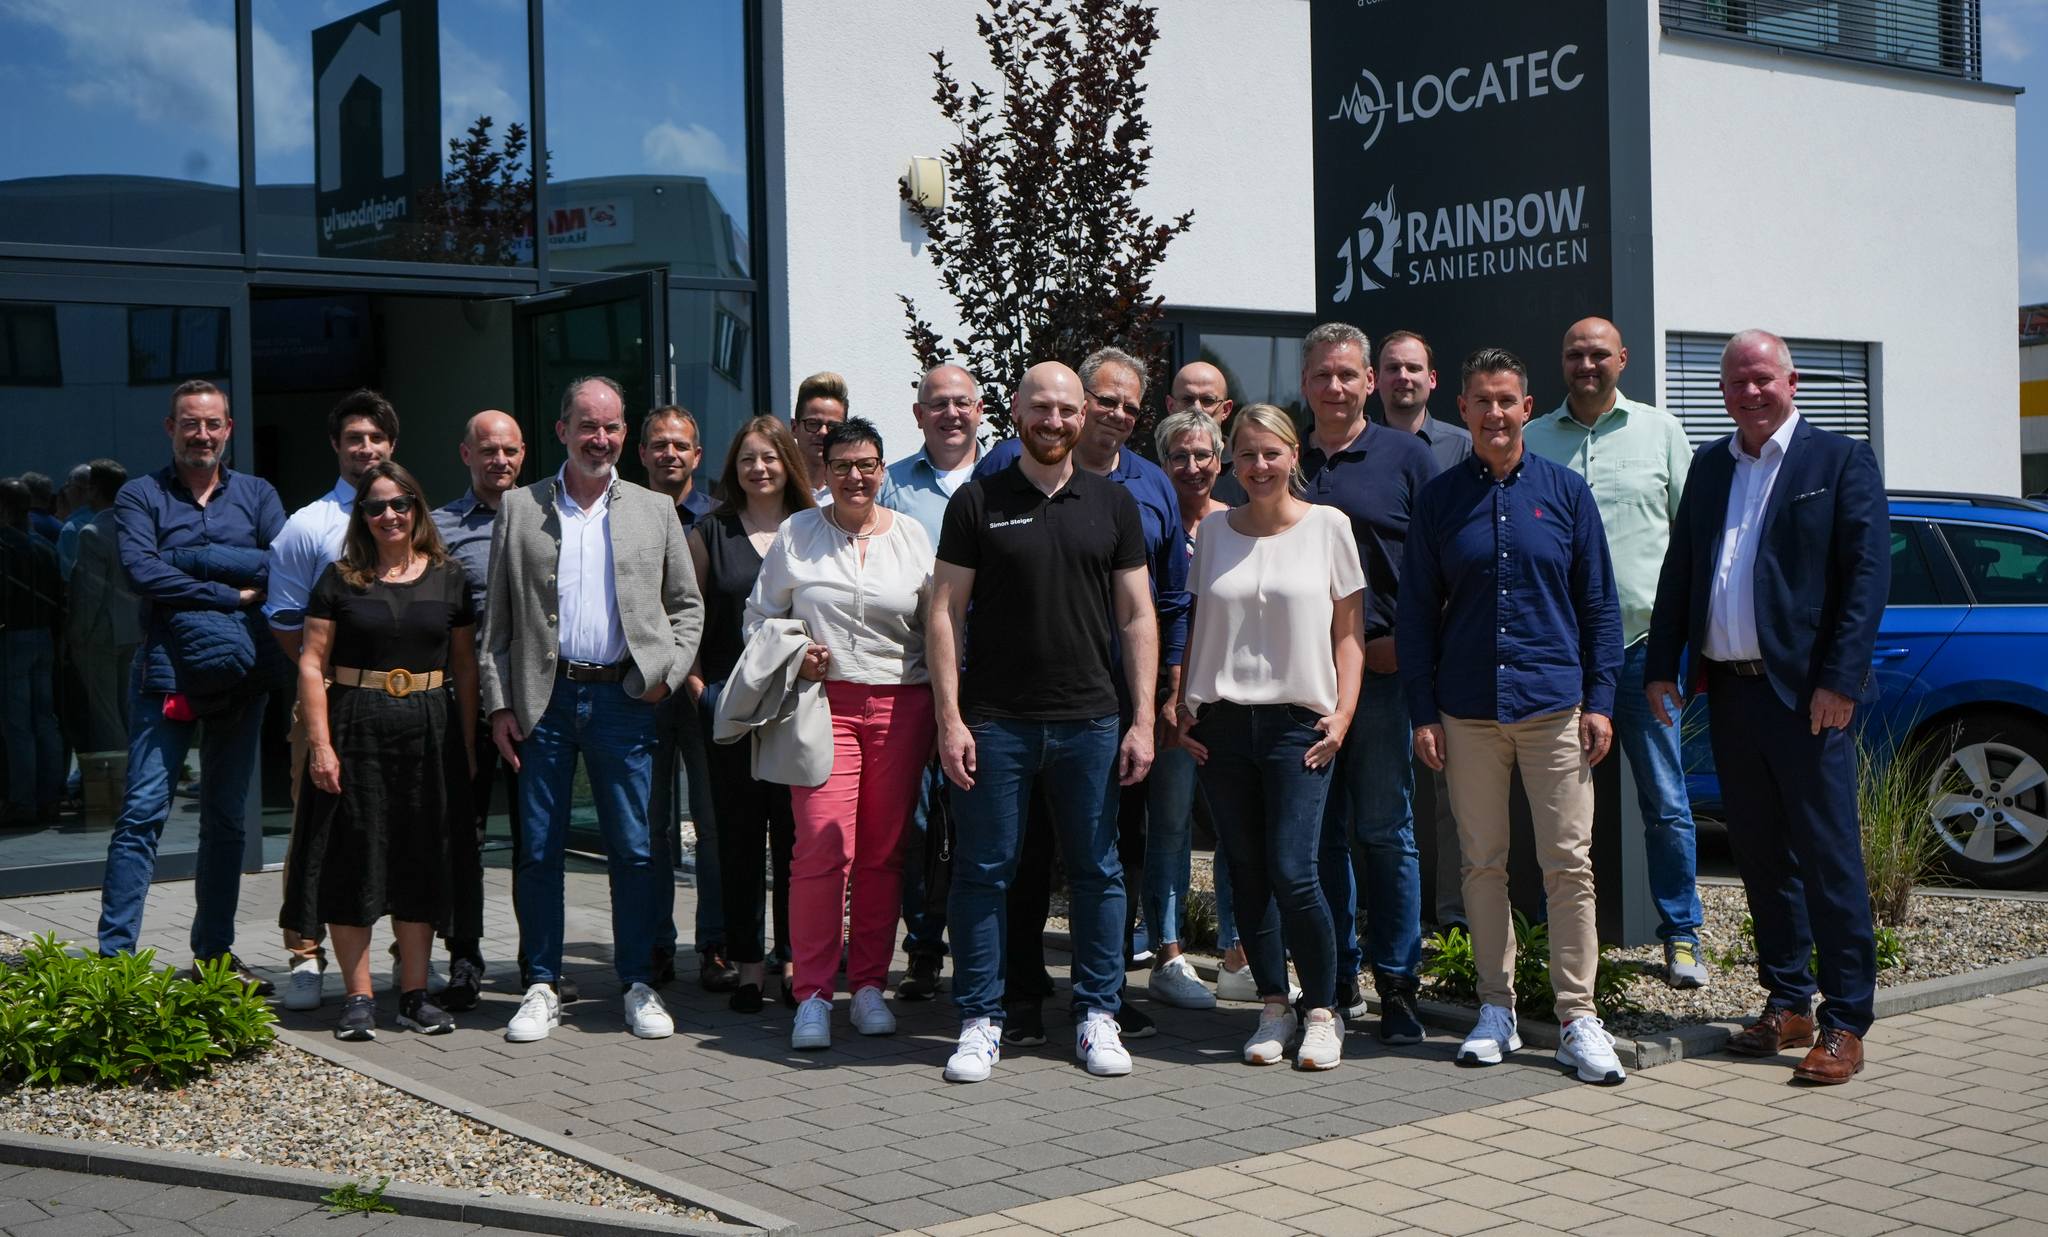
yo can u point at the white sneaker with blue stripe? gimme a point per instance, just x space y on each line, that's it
975 1055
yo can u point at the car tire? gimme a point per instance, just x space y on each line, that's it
1993 835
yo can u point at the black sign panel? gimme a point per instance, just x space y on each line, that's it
1462 175
376 124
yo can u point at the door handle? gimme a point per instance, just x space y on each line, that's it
1889 654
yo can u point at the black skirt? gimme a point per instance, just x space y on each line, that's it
383 846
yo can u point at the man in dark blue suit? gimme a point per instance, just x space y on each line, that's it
1775 580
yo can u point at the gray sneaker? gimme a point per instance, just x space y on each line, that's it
1682 965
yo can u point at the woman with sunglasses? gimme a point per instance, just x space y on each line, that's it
859 576
390 747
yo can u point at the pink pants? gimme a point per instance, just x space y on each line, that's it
853 825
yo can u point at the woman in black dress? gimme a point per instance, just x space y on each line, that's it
763 484
388 691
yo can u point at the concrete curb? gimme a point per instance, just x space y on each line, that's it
519 1213
1702 1038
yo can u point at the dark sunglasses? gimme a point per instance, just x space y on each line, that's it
374 507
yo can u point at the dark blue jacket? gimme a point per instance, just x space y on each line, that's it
1823 567
215 653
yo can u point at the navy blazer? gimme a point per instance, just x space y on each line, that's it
1823 567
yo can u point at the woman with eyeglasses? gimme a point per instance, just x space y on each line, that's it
859 577
388 693
1274 662
764 482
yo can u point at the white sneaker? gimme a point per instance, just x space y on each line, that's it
813 1026
1322 1041
302 986
1237 985
1587 1048
539 1012
975 1056
871 1014
1492 1037
1100 1045
646 1016
1174 982
1268 1044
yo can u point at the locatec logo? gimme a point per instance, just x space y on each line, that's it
1507 80
1538 230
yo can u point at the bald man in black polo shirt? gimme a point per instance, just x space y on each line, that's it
1047 552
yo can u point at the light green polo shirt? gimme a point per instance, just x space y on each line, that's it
1635 459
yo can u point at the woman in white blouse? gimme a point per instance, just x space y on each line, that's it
1273 665
859 576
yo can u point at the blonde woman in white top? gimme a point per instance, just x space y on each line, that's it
859 576
1273 665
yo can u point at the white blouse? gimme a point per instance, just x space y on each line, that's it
1263 611
870 613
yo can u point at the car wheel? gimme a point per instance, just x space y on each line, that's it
1989 800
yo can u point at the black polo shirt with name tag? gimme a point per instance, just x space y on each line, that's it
1039 628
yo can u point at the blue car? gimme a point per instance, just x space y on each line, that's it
1962 656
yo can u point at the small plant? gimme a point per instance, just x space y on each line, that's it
121 1020
349 1198
1901 848
1453 970
1891 949
1198 922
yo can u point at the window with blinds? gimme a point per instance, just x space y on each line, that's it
1834 384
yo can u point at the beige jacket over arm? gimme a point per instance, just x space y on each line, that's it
659 607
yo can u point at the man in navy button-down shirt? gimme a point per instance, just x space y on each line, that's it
1510 644
1372 474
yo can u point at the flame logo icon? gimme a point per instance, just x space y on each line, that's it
1368 256
1366 104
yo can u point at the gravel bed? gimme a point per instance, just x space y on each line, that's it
290 1109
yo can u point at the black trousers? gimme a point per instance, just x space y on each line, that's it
1030 896
753 820
465 850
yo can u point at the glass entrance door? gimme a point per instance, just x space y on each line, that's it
616 328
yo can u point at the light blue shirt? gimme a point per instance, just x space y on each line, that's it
919 490
67 540
310 540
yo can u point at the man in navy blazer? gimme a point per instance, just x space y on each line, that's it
1775 580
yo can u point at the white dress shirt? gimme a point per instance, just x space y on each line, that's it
868 610
1731 607
590 630
310 540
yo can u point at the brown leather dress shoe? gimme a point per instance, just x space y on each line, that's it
1778 1029
1836 1059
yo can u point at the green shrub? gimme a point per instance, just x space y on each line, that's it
1453 971
1901 847
1198 922
121 1020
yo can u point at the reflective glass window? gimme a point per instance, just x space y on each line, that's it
1260 369
712 354
121 126
355 112
2004 566
648 152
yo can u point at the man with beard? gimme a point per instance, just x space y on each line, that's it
591 621
1114 384
1047 552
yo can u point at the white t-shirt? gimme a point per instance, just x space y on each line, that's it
1263 611
870 613
949 482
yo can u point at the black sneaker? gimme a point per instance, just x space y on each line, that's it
664 967
921 981
1398 1021
1135 1023
465 985
745 999
1024 1024
417 1013
1351 997
714 973
242 972
358 1019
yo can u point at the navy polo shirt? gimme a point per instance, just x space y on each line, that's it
1375 481
1040 626
1508 609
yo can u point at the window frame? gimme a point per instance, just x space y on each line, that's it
1941 527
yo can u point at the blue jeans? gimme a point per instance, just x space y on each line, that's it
1669 843
1269 810
924 925
682 775
1077 761
1170 814
618 738
28 720
1371 816
227 762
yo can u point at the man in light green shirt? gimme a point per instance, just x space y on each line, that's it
1635 458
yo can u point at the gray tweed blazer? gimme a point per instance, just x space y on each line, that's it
659 606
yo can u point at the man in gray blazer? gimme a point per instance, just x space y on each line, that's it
592 620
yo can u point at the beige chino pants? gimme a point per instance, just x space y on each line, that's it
1480 758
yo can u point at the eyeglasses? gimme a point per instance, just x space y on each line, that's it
374 507
1207 403
816 425
962 402
867 467
1181 459
1110 403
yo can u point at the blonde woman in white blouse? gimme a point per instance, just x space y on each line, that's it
859 577
1274 660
